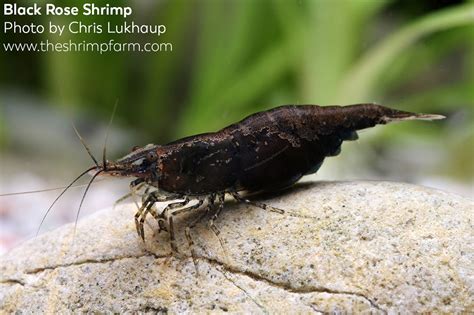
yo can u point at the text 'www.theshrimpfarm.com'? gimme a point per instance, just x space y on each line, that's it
100 47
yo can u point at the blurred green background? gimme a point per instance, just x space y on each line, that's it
234 58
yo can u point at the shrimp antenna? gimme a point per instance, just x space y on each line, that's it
60 195
85 145
83 197
104 159
42 190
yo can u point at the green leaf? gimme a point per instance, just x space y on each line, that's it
358 85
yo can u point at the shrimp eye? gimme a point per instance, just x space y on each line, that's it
151 156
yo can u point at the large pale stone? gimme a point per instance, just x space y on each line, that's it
341 246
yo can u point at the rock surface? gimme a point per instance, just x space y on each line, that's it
341 246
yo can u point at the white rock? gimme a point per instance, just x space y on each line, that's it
341 246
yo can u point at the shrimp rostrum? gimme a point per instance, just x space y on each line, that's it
266 151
